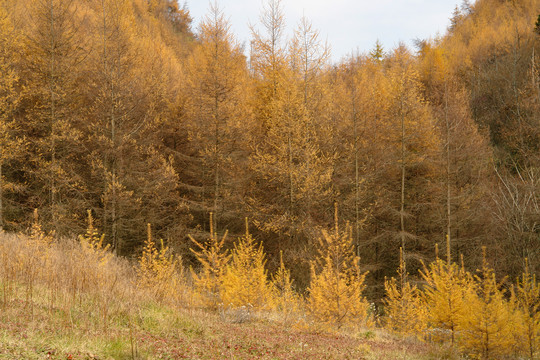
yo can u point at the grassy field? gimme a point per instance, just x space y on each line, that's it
64 304
153 331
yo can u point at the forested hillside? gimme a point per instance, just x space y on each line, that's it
122 108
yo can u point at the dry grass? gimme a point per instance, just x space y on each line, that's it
60 301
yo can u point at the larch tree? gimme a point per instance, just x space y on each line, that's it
214 259
414 146
52 107
268 63
337 283
309 60
365 105
526 296
464 156
216 106
246 282
486 322
361 158
284 298
405 310
131 181
159 271
447 288
112 110
11 145
290 179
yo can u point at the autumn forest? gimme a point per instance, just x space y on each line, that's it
119 111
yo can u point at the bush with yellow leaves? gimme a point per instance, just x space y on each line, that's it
335 293
447 287
92 243
286 300
34 259
159 272
246 281
406 314
208 283
526 300
487 323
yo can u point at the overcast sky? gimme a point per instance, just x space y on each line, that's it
348 25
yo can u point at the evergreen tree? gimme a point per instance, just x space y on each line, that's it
447 288
527 298
245 282
214 260
404 307
285 299
158 271
52 109
335 293
486 324
216 106
12 146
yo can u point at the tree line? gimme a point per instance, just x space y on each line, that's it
120 108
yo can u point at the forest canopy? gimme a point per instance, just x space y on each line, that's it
120 107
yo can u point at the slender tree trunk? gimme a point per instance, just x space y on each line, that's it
290 173
402 207
534 74
217 162
356 170
448 193
1 199
515 89
52 104
112 122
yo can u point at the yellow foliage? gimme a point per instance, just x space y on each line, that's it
10 97
159 272
285 299
34 260
526 297
92 243
95 276
406 314
214 259
246 282
38 237
447 287
39 246
486 325
335 293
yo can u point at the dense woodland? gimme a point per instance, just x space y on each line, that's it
122 108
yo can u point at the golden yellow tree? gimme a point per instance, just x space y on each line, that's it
527 298
92 242
159 272
214 260
216 106
94 277
335 293
414 138
246 281
404 309
486 324
445 293
35 259
132 179
290 179
284 298
11 146
53 58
